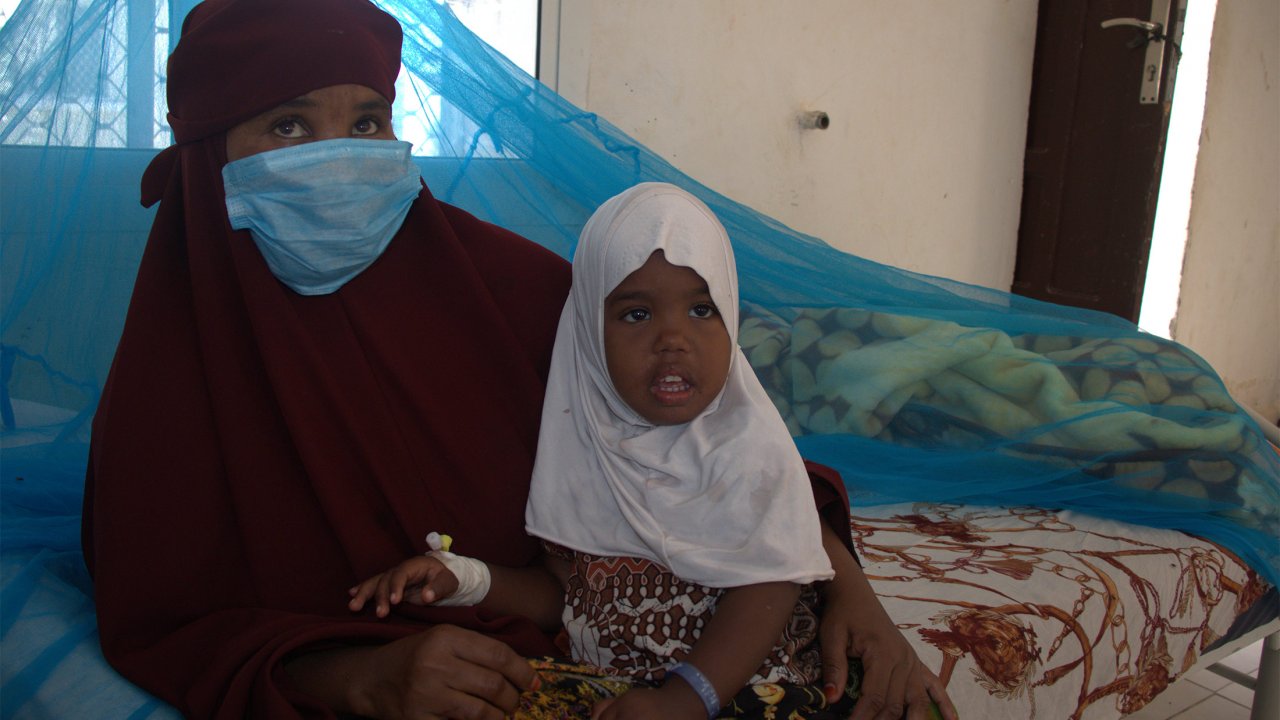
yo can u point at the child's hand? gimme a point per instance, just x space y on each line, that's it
671 702
420 580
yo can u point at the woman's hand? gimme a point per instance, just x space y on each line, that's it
442 672
855 624
420 580
676 701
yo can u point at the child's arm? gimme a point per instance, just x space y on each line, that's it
420 580
747 623
534 591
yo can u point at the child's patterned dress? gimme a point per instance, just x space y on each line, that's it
633 617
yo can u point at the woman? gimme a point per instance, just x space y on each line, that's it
282 420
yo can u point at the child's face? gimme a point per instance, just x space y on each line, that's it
666 347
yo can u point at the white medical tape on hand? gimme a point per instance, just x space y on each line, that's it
473 579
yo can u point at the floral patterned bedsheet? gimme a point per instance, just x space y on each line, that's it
1028 613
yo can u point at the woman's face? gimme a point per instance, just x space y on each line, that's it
665 343
337 111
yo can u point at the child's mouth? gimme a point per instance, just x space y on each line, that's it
671 389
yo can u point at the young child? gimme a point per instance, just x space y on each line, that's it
676 510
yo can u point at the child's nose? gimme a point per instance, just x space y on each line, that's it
672 338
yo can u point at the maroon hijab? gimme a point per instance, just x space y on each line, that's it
257 452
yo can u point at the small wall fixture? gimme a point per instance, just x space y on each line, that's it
814 120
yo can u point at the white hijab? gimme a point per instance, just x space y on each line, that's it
723 500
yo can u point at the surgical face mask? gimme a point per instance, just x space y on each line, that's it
322 212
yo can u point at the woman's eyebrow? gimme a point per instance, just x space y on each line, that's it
306 102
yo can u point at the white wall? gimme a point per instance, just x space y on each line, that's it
922 164
1229 309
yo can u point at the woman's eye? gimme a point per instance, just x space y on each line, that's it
635 315
703 310
366 126
290 128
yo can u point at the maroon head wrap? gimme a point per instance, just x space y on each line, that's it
257 452
239 58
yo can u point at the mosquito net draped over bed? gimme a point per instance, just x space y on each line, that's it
913 387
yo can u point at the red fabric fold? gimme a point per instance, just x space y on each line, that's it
832 500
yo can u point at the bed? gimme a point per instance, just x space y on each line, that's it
1025 611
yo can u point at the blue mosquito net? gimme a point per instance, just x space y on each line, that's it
913 387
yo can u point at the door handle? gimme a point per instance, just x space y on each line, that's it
1151 28
1153 69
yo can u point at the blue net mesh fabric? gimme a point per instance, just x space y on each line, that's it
913 387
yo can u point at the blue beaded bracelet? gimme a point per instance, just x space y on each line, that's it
700 685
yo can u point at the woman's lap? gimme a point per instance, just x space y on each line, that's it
569 690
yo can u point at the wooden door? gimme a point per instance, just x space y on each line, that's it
1094 153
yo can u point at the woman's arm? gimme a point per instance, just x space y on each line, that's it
747 623
442 671
855 624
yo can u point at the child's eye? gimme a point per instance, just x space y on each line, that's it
366 126
290 128
703 311
635 315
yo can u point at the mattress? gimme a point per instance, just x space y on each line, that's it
1029 613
